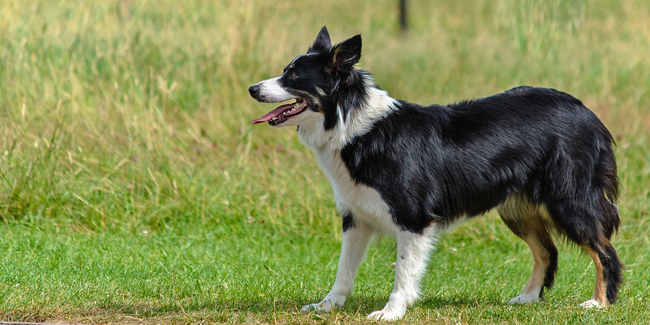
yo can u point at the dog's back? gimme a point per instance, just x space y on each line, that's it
468 157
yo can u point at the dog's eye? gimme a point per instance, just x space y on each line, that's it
293 76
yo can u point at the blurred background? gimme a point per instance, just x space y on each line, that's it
98 94
126 137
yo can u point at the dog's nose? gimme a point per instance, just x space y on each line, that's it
254 90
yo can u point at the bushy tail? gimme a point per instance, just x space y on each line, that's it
607 181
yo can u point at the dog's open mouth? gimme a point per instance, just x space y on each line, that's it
284 112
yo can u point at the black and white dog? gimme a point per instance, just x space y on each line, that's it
537 155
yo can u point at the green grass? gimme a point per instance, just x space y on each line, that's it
133 187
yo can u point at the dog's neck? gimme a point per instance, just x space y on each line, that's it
359 120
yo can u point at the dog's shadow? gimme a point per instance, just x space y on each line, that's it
361 304
458 301
366 304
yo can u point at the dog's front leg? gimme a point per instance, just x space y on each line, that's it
412 255
356 237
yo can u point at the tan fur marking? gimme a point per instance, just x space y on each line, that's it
529 223
541 259
517 211
600 294
336 53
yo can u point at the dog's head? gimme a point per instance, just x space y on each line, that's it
323 83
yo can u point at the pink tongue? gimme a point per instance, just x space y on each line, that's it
273 113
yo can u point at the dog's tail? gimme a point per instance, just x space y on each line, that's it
607 181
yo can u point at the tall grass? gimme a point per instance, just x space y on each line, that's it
132 183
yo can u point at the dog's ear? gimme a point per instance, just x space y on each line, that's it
346 54
322 42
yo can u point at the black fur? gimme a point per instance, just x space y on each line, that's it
612 267
549 277
443 162
348 221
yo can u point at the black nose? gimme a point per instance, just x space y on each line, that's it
254 90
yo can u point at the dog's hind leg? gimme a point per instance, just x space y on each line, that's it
356 238
608 274
544 266
592 230
412 256
529 224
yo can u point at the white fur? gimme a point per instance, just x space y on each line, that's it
307 117
526 298
363 202
591 303
359 121
412 257
355 245
271 91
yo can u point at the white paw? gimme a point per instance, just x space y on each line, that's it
521 299
591 303
324 306
388 314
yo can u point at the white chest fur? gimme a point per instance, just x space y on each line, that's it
362 201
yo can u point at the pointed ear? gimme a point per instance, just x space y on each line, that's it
322 42
346 54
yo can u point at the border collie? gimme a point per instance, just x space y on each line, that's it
537 155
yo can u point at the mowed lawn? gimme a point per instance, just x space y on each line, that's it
134 189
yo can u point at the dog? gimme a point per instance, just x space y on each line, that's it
537 155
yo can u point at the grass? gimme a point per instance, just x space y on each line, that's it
134 189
